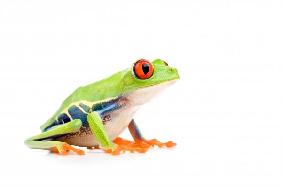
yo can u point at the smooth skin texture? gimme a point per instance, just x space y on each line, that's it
104 109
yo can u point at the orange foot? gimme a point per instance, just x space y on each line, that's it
140 146
64 150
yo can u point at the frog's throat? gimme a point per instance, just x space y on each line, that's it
143 95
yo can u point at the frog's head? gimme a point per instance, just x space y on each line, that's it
145 79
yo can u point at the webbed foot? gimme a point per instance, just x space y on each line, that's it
123 145
140 146
65 148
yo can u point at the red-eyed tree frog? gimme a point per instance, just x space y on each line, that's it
94 115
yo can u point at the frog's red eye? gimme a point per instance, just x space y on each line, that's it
143 69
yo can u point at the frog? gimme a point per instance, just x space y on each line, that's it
95 115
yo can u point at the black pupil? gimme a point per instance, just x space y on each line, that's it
145 68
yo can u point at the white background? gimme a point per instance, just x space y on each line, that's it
224 113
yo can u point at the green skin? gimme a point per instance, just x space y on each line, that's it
118 84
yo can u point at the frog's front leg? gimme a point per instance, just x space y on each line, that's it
137 136
97 128
141 144
44 140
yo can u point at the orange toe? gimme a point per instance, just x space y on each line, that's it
155 142
170 144
65 150
54 150
115 151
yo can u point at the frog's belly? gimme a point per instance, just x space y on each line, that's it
118 121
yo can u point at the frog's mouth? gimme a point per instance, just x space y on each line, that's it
145 94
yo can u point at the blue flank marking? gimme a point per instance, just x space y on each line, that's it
76 113
108 109
102 108
84 107
53 125
63 118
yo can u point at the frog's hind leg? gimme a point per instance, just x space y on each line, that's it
140 144
43 140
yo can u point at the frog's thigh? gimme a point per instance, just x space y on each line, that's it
38 142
